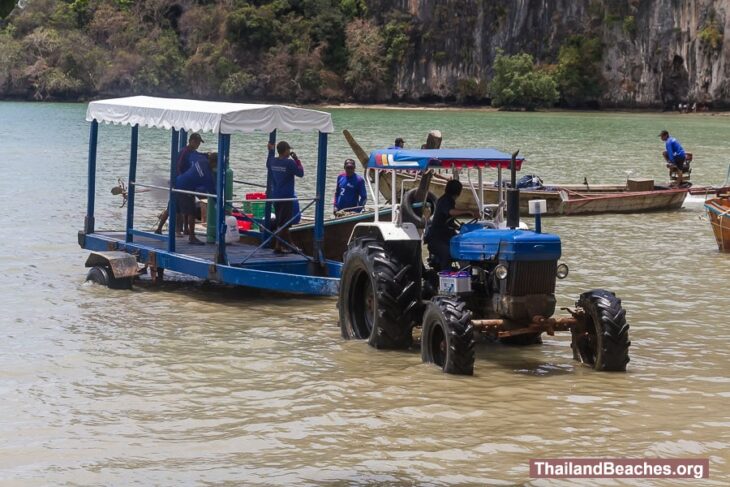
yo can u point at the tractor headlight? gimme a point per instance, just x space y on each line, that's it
501 272
562 271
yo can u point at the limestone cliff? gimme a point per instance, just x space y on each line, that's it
656 53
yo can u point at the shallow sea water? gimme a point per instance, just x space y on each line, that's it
194 384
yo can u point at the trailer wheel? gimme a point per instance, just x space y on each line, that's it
447 339
523 340
103 276
604 341
415 215
378 296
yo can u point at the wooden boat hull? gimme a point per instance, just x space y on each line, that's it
567 200
718 211
337 231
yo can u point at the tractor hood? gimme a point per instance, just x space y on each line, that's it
505 244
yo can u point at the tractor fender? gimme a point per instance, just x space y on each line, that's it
386 232
121 264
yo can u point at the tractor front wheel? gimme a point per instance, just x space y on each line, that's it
603 342
378 296
447 339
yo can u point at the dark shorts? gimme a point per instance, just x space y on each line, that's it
185 203
679 162
284 211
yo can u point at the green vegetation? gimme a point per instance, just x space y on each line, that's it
578 72
517 83
711 35
278 50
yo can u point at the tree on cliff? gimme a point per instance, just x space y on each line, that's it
578 73
366 70
517 83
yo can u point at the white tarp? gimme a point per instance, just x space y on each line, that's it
207 116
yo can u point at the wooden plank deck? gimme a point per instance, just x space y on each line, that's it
236 252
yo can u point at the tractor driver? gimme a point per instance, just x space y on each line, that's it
442 227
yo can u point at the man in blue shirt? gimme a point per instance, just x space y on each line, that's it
282 170
399 144
674 155
350 193
198 178
183 164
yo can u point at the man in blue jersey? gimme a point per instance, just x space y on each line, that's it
198 178
398 144
282 170
183 164
674 155
350 193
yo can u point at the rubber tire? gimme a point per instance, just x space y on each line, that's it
447 339
605 343
413 215
103 276
378 296
523 340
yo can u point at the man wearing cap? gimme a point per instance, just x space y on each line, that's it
184 162
674 155
282 170
350 193
399 144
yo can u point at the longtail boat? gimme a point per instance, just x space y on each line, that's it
562 199
718 211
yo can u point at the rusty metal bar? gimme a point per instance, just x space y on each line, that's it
538 324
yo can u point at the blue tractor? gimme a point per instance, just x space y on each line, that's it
503 285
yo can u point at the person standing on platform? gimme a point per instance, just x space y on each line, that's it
188 152
350 193
283 169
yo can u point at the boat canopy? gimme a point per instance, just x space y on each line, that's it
440 158
207 116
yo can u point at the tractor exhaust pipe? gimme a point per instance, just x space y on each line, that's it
513 196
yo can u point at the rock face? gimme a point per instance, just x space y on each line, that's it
656 53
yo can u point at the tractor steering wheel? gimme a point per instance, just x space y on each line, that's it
458 225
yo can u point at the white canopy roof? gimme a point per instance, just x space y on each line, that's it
207 116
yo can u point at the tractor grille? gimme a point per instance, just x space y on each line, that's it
531 278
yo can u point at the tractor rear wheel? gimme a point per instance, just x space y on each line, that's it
103 275
447 339
378 296
603 343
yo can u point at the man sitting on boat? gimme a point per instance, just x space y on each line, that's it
674 155
199 178
443 228
350 193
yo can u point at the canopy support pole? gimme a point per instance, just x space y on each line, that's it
220 191
319 206
93 137
131 180
267 205
171 206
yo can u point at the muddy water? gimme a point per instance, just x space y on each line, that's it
187 383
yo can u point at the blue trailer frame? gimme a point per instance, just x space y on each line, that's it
234 264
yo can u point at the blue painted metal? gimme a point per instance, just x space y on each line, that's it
439 158
293 278
267 206
220 229
171 206
132 179
183 140
504 244
319 207
91 181
142 233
